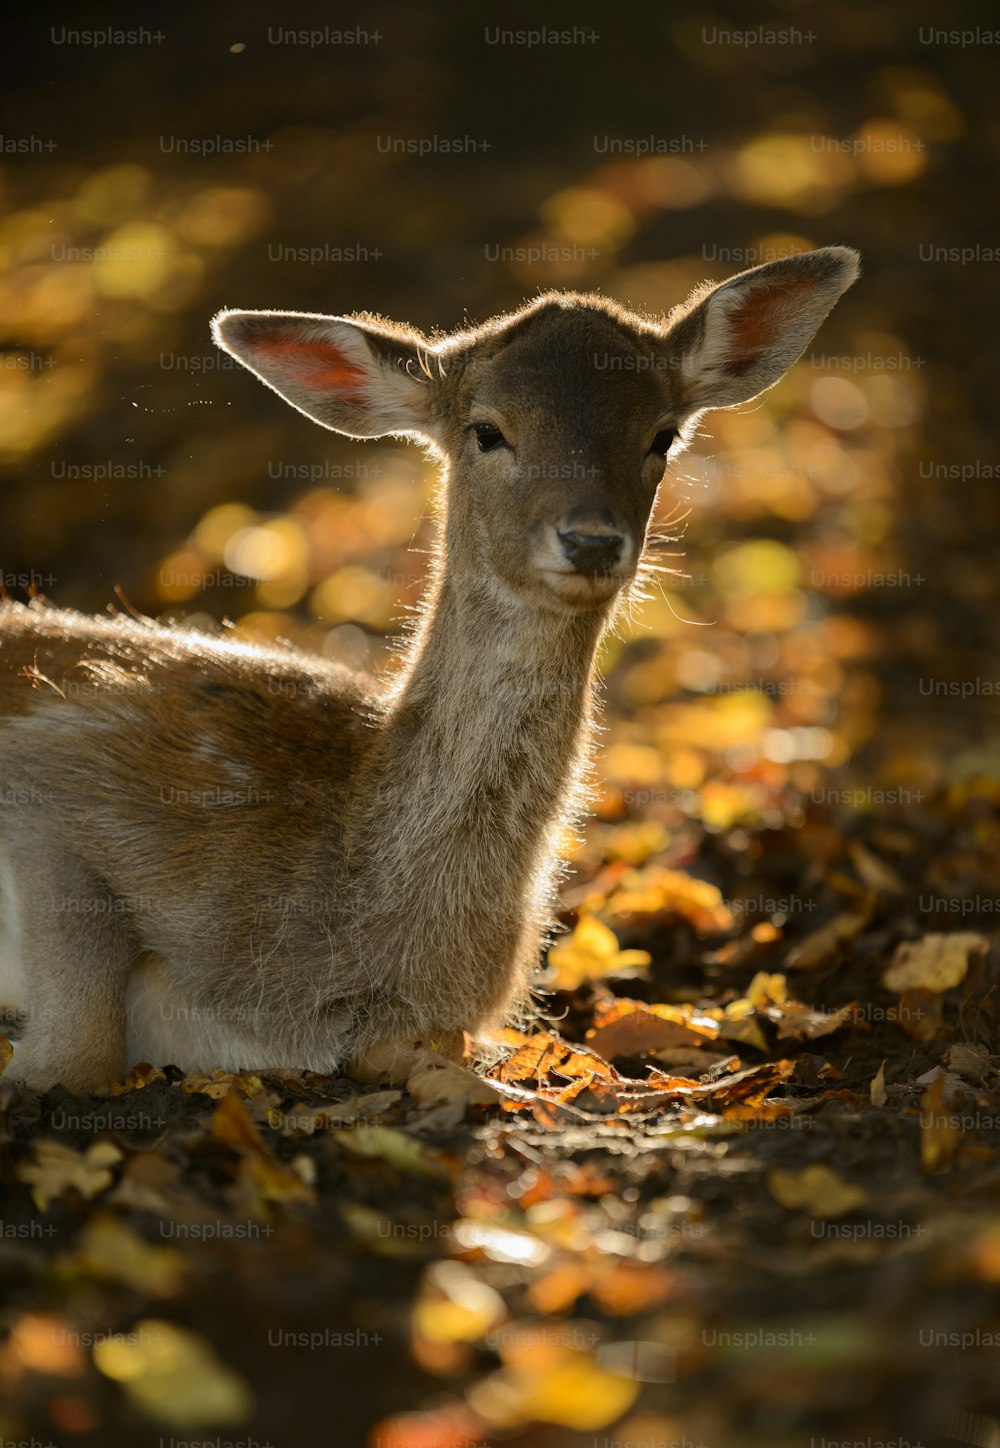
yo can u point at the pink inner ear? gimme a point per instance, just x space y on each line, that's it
758 322
317 365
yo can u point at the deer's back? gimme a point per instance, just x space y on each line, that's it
153 749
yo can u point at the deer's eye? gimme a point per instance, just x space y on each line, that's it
662 441
489 436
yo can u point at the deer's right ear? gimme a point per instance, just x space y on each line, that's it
355 377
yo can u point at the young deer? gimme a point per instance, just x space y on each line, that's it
218 854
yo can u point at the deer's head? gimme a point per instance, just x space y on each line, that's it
556 420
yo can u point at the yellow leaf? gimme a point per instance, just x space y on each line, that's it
817 1190
766 989
590 952
547 1383
6 1054
941 1132
113 1252
654 890
380 1234
935 963
57 1168
404 1152
220 1084
457 1305
174 1376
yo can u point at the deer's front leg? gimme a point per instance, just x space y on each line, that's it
71 945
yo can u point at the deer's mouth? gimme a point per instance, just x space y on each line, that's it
583 590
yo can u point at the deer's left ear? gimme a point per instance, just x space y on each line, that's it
354 376
742 336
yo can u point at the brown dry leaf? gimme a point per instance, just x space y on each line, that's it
140 1075
920 1014
6 1054
934 963
739 1023
630 1028
259 1169
878 1094
534 1060
221 1083
817 1190
874 871
149 1183
972 1063
362 1107
941 1133
592 951
798 1022
436 1081
57 1168
825 944
231 1124
545 1053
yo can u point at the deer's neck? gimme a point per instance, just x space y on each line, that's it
474 771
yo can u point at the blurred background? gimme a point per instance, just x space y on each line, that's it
837 536
831 636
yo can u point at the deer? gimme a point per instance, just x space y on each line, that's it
220 854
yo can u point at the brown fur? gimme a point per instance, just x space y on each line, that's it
265 860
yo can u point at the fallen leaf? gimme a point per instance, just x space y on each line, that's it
941 1132
798 1022
404 1152
449 1426
112 1252
456 1305
140 1075
920 1014
935 962
631 1028
874 871
221 1083
56 1169
627 1288
436 1081
817 1190
6 1054
149 1183
174 1376
548 1383
972 1063
655 891
363 1107
592 951
877 1092
260 1171
825 944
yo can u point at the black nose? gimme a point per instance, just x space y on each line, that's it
592 552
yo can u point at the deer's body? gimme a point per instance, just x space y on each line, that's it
260 859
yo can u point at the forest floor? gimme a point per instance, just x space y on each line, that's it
737 1186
